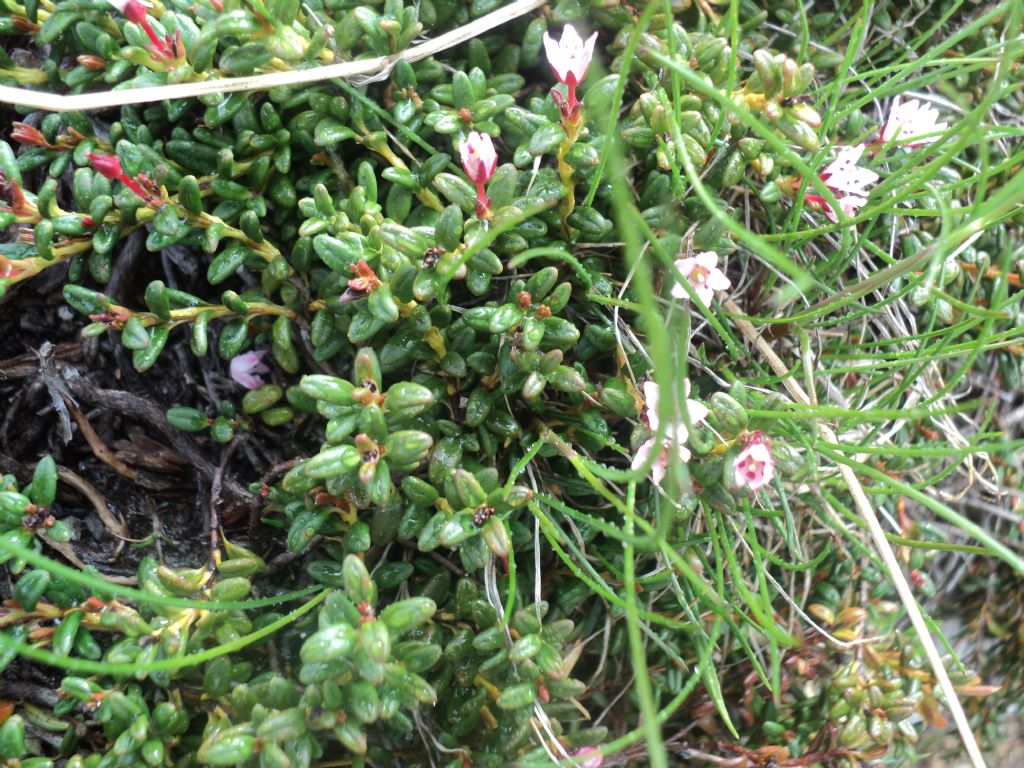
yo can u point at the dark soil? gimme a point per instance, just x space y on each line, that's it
162 483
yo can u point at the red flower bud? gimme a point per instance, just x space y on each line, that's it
108 166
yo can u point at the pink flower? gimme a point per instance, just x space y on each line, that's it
702 273
478 157
754 468
245 369
479 160
908 122
591 762
849 205
570 58
844 175
133 10
848 181
673 444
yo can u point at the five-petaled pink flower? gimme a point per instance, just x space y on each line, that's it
479 160
910 123
754 467
702 273
594 758
569 58
674 441
245 369
847 180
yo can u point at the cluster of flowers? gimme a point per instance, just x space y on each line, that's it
753 467
570 59
912 123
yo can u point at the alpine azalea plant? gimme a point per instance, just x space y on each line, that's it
405 329
702 273
479 160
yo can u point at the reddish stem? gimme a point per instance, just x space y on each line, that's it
571 89
483 202
160 44
134 186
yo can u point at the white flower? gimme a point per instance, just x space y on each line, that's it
245 369
848 181
570 57
676 435
910 121
479 159
672 444
697 411
702 273
849 206
844 175
651 396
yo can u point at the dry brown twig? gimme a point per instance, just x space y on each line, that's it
114 526
99 448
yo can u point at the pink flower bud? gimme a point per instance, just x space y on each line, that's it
479 160
108 166
754 468
245 369
594 757
133 10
